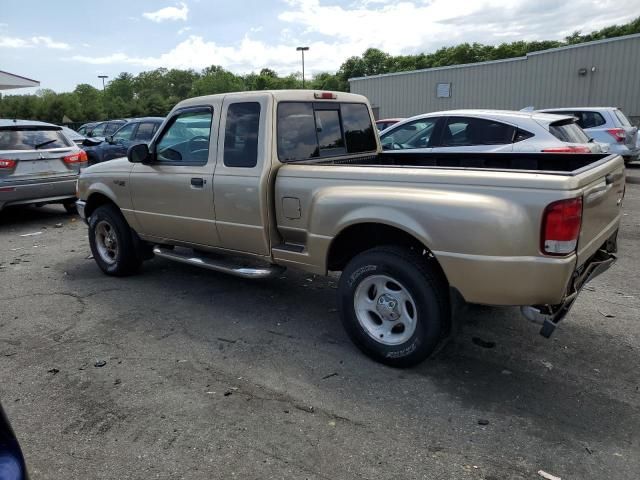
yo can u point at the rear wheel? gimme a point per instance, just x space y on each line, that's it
393 305
112 243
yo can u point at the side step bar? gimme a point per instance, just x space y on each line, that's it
268 271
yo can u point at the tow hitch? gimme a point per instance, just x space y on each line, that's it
550 315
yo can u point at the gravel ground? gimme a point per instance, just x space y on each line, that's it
210 376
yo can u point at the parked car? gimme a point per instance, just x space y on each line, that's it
297 178
12 466
387 122
104 129
38 164
74 136
86 128
607 125
138 130
488 131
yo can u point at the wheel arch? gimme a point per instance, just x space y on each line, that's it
95 200
359 237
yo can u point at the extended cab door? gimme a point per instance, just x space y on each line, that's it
241 181
173 195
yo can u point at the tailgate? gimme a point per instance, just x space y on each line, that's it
32 164
602 207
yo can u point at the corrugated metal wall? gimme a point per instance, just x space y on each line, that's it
544 80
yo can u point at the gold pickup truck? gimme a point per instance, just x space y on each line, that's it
251 183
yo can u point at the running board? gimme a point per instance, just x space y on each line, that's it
268 271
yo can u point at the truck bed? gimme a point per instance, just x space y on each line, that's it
560 164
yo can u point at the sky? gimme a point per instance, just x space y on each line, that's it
68 42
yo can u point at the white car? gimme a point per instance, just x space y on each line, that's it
488 131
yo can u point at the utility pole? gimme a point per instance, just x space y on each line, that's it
302 49
103 77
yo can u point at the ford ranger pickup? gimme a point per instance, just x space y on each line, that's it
251 183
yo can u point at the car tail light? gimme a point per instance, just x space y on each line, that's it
568 149
7 164
618 133
325 95
80 157
561 224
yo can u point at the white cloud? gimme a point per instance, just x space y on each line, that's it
168 13
13 42
184 30
47 42
335 33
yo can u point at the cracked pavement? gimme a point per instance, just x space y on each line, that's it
210 376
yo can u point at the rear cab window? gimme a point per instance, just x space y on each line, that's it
568 131
28 138
307 130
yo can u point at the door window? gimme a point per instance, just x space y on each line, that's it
469 131
585 119
241 135
124 134
415 134
145 131
186 140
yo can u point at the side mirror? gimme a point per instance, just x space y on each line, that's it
139 153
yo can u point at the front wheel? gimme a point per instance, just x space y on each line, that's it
112 243
393 305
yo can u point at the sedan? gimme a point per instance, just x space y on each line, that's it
488 131
38 164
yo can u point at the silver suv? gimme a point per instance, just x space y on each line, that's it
606 125
38 164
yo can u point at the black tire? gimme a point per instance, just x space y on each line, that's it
126 259
70 206
426 287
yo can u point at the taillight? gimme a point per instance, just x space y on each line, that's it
561 223
7 164
80 157
618 133
325 95
568 149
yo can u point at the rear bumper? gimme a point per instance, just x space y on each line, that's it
551 315
45 191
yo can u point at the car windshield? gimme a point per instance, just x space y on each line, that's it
31 139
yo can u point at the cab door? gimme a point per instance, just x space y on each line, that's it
172 195
241 182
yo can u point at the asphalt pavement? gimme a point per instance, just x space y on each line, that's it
183 373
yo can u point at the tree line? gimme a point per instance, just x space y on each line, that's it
155 92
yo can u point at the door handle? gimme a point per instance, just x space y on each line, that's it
198 182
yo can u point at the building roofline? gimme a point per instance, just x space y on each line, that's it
20 76
502 60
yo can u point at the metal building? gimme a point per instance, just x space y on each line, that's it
599 73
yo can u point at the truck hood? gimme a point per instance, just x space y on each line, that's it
121 165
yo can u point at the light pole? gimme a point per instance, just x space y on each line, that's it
302 49
103 77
